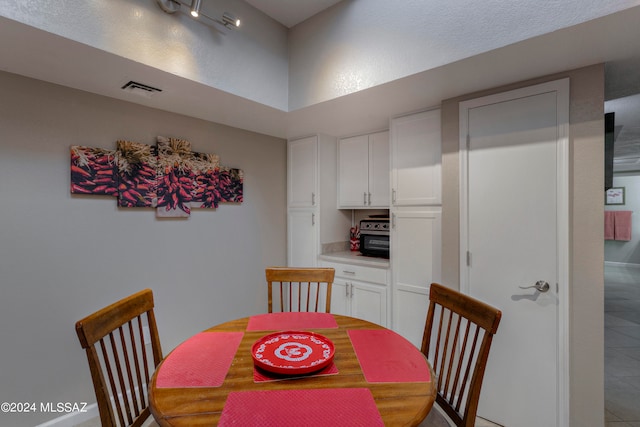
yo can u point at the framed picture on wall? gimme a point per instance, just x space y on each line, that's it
614 196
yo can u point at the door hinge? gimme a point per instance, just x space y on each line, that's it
468 142
468 259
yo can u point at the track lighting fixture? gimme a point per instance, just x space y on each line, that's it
195 8
172 6
169 6
229 20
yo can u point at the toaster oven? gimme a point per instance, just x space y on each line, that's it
374 237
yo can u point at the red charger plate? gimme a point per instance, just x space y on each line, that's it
293 352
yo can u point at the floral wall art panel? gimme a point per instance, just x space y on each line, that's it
93 171
231 185
137 184
167 176
205 181
175 177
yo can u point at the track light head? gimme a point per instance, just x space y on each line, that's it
230 21
195 8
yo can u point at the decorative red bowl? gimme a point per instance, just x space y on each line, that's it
292 352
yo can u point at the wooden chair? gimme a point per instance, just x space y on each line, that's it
301 289
457 338
114 339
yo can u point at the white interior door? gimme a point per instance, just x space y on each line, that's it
514 223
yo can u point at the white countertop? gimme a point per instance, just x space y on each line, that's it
355 258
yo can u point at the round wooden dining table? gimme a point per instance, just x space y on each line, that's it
177 399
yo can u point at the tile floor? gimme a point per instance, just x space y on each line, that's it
95 422
622 346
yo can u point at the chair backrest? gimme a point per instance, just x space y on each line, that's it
300 289
120 363
457 338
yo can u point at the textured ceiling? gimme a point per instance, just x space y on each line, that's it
40 54
291 12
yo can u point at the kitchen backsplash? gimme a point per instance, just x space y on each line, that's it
335 247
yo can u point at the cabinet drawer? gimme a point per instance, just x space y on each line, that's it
358 272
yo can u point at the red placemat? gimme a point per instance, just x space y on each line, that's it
385 356
353 407
260 375
291 321
201 361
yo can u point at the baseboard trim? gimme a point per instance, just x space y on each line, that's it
74 418
621 264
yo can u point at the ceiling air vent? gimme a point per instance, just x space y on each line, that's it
140 89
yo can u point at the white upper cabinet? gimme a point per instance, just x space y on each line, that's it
363 171
416 159
302 179
379 168
353 171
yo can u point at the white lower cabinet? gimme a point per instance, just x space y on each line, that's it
415 264
360 291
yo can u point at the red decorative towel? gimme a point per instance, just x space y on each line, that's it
260 375
291 321
609 221
352 407
622 225
201 361
385 356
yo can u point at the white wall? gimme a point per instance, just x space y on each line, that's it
358 44
586 305
354 45
251 62
621 251
64 256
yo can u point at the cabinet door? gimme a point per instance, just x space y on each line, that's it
302 238
415 159
415 264
353 172
369 302
379 180
340 299
302 172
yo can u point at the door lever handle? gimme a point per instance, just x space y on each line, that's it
540 286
